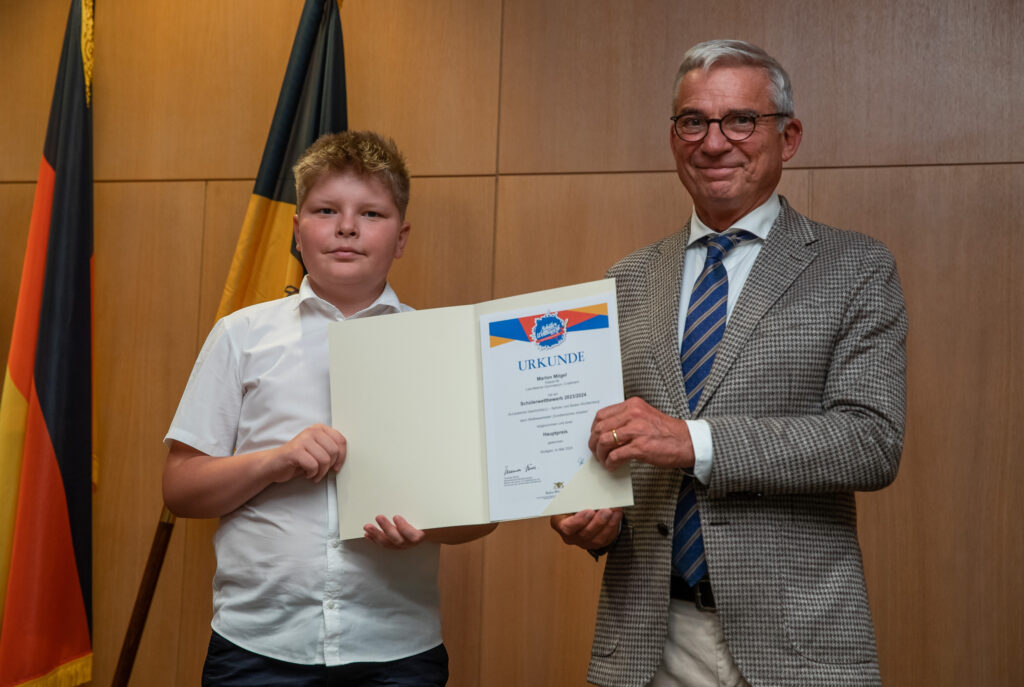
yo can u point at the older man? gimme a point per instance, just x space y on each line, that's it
764 364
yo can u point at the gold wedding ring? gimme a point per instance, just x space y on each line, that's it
615 435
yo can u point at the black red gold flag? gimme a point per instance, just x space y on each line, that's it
311 103
46 463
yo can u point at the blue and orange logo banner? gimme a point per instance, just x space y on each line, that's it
543 329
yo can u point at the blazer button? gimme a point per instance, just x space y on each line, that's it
662 529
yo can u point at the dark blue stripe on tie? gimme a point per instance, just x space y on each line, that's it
705 324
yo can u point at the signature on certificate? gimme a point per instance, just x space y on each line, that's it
511 470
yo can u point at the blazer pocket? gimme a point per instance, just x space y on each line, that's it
617 593
604 645
825 604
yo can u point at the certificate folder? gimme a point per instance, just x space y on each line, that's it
408 393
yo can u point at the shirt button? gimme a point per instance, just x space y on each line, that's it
336 543
662 529
330 604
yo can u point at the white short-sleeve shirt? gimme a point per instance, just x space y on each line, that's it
286 587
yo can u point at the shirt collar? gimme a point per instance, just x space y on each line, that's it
387 302
758 221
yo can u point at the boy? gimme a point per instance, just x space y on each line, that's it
251 443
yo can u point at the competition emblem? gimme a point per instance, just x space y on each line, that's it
548 330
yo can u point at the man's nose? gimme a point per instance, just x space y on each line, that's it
715 141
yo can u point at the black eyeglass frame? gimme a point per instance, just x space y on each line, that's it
708 122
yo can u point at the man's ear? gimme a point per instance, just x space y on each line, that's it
792 134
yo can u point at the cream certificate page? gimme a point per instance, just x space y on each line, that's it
546 371
411 394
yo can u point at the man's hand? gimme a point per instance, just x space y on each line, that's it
589 529
633 430
312 453
398 534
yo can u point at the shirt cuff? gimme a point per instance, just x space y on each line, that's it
700 437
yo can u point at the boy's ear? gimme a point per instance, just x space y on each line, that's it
403 236
295 232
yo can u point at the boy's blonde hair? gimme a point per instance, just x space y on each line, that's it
363 152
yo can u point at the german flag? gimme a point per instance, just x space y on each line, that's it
46 408
312 103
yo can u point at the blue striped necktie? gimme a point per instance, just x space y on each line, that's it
705 322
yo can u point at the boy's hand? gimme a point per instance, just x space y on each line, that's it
313 453
394 535
589 529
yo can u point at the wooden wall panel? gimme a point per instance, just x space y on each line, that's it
795 187
1008 535
426 73
540 604
186 90
31 34
586 86
899 83
148 242
194 541
943 546
15 215
226 203
562 229
462 611
450 251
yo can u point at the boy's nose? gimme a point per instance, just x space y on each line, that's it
347 227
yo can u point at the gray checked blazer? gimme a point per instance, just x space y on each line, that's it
806 406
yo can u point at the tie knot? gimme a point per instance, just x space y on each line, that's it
720 244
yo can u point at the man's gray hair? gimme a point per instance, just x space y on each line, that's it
730 53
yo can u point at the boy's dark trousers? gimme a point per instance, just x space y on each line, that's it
228 665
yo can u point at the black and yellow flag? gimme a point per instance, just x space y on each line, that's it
312 102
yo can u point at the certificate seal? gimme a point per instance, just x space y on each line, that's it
548 331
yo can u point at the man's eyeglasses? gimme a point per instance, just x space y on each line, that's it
736 127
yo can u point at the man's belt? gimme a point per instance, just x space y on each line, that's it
700 594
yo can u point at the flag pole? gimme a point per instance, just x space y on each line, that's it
143 599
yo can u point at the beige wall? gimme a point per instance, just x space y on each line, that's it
537 133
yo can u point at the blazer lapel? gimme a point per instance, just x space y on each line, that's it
786 253
666 277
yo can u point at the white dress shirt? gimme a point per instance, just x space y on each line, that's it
286 586
737 262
